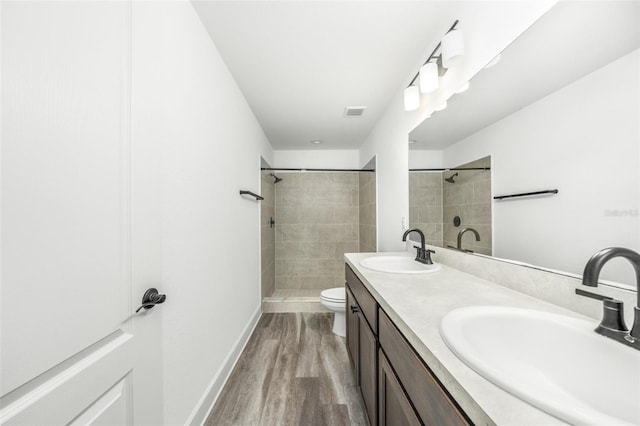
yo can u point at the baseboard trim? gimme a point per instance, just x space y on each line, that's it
210 396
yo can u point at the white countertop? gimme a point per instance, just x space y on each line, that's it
417 303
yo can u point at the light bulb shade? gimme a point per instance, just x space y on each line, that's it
411 98
463 88
441 106
493 62
453 49
429 77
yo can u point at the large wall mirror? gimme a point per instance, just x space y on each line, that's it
558 114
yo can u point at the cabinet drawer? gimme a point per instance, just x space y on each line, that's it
432 403
367 303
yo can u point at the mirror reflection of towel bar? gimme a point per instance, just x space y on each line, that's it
526 194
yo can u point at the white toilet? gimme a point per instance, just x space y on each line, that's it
335 299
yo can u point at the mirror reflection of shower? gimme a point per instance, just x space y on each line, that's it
276 178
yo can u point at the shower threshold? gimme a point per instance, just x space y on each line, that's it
293 300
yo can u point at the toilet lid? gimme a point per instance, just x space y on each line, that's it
338 294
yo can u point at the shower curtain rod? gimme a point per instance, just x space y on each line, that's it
451 169
316 170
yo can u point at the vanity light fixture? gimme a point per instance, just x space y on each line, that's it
453 48
429 79
316 141
441 106
493 62
464 88
435 67
411 98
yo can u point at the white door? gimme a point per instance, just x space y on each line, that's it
79 237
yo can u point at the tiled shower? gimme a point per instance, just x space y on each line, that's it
436 198
318 217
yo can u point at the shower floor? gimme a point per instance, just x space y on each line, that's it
293 300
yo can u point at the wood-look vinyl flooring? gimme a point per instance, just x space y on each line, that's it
293 371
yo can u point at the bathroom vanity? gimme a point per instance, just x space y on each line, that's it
406 372
401 380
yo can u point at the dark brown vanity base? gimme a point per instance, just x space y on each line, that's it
398 388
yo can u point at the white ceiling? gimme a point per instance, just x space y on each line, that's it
300 63
572 40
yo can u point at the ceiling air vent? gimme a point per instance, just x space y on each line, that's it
354 111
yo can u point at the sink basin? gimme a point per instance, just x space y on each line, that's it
398 265
554 362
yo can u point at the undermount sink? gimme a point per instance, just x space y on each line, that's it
553 362
398 265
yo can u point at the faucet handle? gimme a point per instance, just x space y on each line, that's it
427 256
424 255
612 317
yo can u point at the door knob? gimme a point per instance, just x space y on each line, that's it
151 298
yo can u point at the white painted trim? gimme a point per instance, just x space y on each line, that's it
205 404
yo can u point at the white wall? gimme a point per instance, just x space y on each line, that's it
583 140
425 159
186 102
489 27
317 159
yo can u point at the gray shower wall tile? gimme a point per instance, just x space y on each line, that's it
345 215
287 282
289 250
317 216
296 232
368 215
318 282
367 212
331 266
342 247
318 250
300 267
347 180
457 194
279 267
366 188
425 204
470 199
482 191
267 234
478 214
288 215
332 197
338 233
430 214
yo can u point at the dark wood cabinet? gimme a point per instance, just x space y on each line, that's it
394 408
352 331
362 342
368 368
432 403
397 386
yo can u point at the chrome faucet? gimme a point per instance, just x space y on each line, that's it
461 233
612 324
424 255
